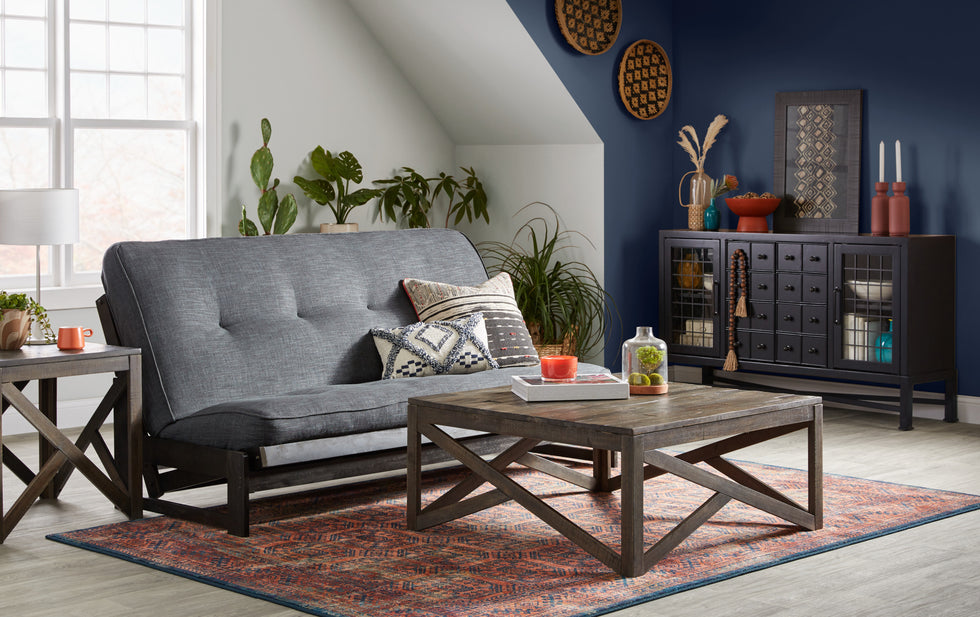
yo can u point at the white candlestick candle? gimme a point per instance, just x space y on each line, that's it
898 161
881 161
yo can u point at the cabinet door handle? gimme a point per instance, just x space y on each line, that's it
814 290
788 348
787 318
788 287
812 350
814 258
789 257
716 289
763 286
760 346
837 306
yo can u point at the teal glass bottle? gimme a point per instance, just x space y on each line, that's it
883 346
711 217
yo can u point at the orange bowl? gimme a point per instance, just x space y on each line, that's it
752 211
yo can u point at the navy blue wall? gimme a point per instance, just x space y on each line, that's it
916 63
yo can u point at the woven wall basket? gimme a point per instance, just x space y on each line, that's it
645 79
590 26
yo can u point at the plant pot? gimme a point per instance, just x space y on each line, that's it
565 347
337 228
15 327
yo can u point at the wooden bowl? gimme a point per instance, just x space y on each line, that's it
752 212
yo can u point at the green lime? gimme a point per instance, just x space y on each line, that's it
639 379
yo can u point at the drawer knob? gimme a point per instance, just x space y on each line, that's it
814 290
814 258
760 346
787 318
763 286
761 316
788 348
812 350
789 257
762 256
788 288
814 320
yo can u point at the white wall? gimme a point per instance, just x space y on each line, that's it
321 78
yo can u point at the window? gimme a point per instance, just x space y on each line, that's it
99 95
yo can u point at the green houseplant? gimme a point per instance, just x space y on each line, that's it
406 197
275 217
333 187
18 312
562 301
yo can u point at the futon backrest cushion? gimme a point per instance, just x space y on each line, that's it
225 319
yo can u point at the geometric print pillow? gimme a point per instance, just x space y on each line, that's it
507 336
434 348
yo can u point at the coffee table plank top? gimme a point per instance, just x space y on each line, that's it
686 405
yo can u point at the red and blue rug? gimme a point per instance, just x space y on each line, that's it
345 552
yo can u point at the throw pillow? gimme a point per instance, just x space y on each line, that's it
507 335
434 348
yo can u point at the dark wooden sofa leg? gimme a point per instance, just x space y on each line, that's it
236 471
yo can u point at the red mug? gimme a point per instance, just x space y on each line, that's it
73 338
559 368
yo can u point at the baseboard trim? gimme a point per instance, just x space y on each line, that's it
968 407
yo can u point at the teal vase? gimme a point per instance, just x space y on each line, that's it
883 346
711 217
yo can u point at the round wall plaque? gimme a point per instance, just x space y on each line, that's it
590 26
645 80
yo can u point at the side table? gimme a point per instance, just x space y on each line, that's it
59 456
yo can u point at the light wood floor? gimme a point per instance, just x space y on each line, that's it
927 571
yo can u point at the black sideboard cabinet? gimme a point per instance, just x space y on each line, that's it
840 307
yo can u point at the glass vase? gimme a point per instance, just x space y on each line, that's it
645 362
712 217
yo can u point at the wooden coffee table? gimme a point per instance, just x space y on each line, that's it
637 428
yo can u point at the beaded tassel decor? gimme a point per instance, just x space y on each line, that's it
737 275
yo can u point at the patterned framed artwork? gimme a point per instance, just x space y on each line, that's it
818 161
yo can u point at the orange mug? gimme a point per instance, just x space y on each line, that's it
73 338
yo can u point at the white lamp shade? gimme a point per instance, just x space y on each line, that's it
39 216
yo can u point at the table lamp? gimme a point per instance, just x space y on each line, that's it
38 217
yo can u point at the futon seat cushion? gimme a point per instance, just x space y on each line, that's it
329 411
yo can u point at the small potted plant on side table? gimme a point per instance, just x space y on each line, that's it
18 313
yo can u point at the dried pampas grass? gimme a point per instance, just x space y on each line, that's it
697 151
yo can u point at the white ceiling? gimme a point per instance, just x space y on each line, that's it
478 69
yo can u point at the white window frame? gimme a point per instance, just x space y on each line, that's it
62 287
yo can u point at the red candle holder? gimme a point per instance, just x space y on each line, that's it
898 211
879 210
559 368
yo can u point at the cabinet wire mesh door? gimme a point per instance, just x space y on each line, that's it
692 296
868 309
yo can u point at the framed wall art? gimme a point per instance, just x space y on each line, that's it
818 161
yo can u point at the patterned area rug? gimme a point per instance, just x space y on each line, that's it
345 552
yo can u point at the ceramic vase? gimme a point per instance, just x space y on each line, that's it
15 327
712 217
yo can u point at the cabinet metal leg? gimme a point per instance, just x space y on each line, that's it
905 406
951 414
707 376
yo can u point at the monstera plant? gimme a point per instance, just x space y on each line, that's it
333 187
275 217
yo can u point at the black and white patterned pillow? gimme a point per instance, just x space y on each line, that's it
507 335
434 348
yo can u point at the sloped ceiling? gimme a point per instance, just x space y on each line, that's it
477 68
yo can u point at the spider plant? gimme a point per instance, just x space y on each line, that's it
560 299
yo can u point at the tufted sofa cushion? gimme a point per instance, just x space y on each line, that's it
230 323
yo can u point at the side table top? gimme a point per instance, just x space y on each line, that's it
684 405
43 354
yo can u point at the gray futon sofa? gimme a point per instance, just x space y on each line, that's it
259 369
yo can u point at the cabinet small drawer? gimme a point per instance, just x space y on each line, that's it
815 288
813 350
761 285
788 348
815 258
761 315
814 319
789 287
763 256
734 246
789 257
789 317
761 347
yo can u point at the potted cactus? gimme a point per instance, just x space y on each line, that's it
275 217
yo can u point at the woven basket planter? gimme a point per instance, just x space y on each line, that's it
564 348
